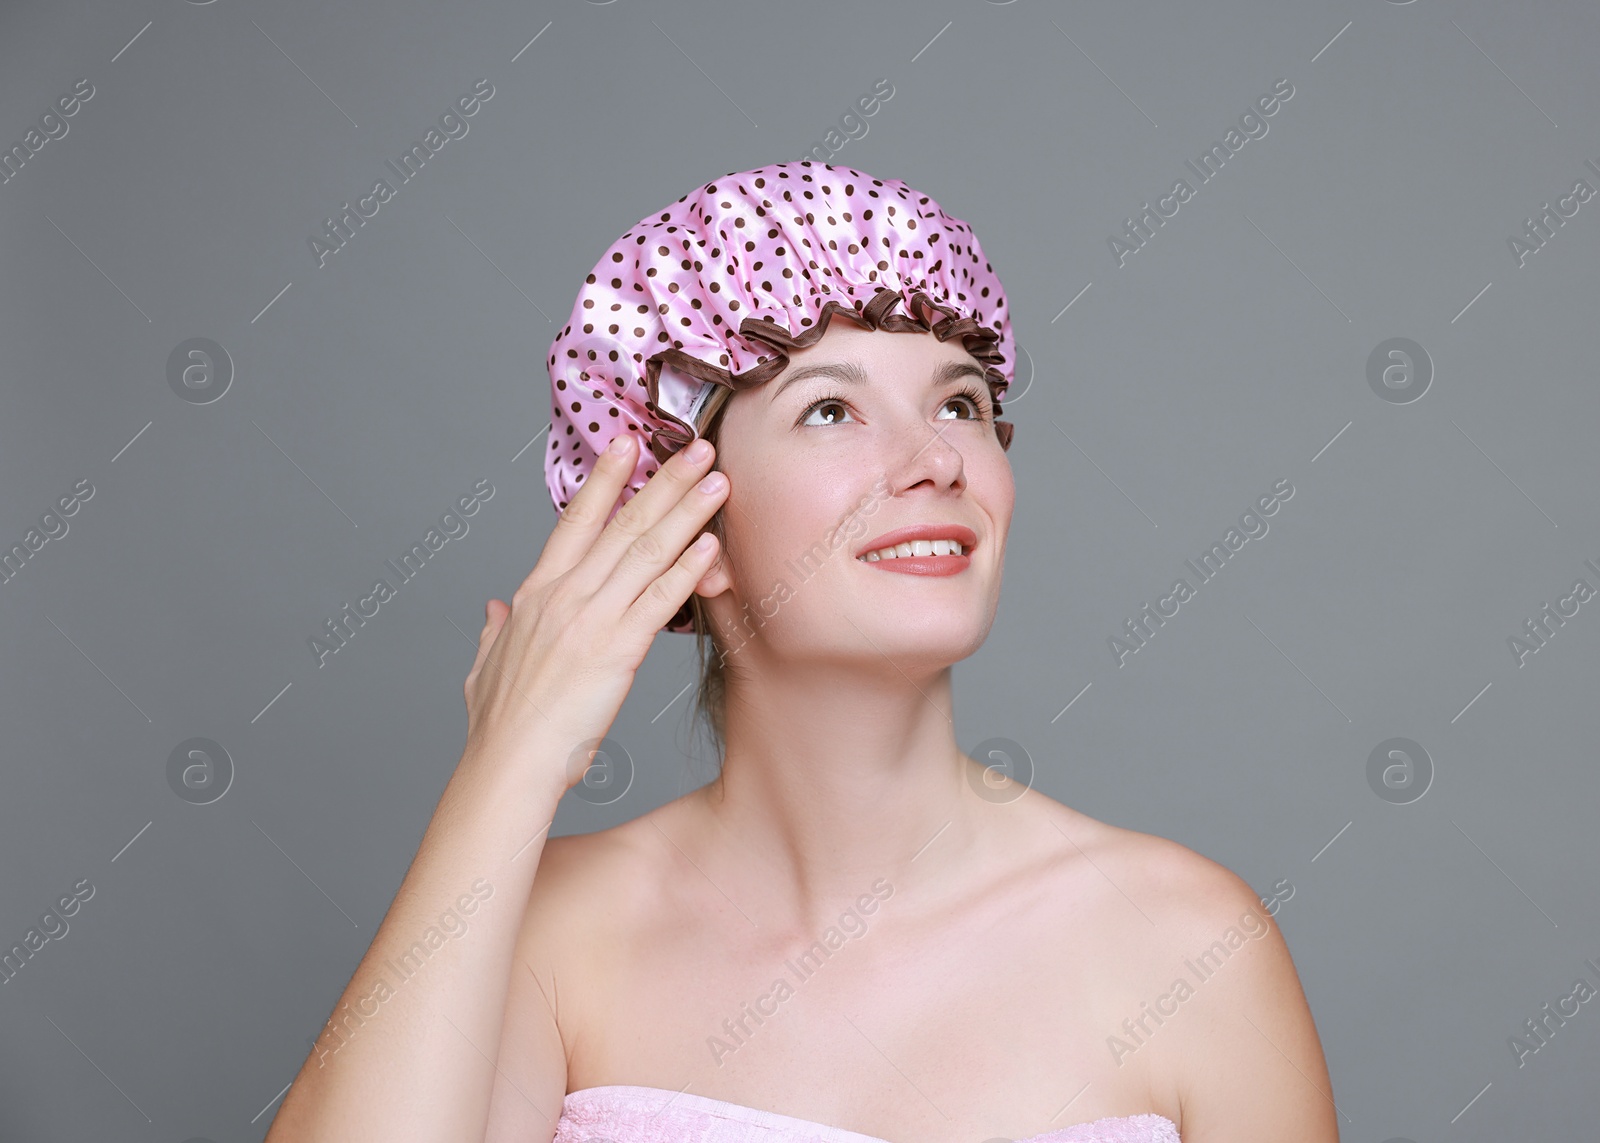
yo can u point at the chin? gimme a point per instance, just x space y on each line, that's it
935 633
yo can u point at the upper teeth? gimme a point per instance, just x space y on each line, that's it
914 548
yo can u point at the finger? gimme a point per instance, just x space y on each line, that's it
589 510
660 601
712 569
494 619
670 487
650 555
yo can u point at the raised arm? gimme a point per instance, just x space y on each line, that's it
412 1048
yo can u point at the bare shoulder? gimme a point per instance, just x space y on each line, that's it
1248 1062
1162 904
1216 1008
590 888
595 897
1175 888
583 894
1205 988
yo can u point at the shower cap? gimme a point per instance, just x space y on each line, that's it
718 287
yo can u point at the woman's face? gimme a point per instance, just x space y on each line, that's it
865 433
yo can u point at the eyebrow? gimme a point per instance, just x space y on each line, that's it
852 373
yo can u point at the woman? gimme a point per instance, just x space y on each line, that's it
856 933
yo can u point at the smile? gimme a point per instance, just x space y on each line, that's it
914 548
919 557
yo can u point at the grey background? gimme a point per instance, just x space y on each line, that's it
372 392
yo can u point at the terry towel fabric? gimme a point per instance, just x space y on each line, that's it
621 1113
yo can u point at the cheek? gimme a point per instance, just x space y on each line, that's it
789 523
994 484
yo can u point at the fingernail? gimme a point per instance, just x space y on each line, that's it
699 450
619 445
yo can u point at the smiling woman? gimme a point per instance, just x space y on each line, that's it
847 552
850 412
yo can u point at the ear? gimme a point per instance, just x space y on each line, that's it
716 580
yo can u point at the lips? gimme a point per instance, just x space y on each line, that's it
966 537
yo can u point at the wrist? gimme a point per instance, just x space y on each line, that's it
530 782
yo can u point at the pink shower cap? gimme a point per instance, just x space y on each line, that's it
719 286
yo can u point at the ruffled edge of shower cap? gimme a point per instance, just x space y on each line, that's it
678 384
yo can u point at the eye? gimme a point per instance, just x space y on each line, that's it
833 399
973 398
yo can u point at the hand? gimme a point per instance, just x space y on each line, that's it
554 666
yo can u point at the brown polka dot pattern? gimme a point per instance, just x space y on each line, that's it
719 286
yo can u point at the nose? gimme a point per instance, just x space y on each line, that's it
922 452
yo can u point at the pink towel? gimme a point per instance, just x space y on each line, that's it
622 1113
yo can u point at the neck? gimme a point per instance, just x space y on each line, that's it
839 774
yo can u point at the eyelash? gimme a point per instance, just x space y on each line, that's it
971 392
